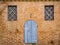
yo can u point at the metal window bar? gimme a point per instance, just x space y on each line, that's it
12 13
49 12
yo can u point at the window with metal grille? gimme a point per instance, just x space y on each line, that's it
49 12
12 13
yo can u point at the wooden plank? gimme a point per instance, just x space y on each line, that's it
34 32
30 32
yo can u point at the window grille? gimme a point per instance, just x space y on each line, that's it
49 12
12 13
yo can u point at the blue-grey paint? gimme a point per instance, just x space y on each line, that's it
30 32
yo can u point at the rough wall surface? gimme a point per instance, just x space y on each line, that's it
12 32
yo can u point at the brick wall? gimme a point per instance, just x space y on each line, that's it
13 31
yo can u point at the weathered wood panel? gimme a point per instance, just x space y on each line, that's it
30 32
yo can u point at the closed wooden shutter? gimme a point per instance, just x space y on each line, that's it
30 32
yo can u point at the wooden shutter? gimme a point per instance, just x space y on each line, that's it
30 32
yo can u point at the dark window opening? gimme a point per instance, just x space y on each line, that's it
12 13
49 12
